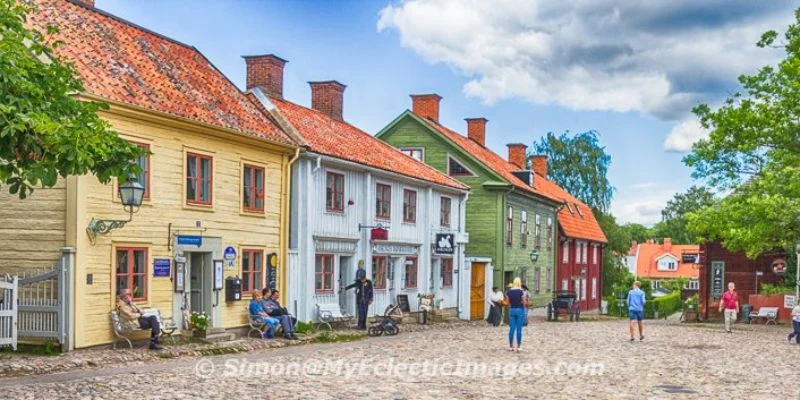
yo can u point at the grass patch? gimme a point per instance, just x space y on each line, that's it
47 349
328 337
304 327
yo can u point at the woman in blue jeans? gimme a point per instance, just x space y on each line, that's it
515 298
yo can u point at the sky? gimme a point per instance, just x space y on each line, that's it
632 71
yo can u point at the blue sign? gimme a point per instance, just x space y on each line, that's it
230 253
161 266
190 240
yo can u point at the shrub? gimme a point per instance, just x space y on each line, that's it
767 289
665 305
304 327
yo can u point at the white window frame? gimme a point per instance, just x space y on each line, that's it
594 288
421 150
565 284
594 253
583 289
565 252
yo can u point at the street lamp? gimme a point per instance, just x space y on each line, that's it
130 194
534 255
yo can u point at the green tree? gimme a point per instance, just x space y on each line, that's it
619 242
45 131
674 216
578 164
753 150
638 232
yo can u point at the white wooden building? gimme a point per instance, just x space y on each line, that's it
345 188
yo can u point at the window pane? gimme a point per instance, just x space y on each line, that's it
122 284
139 288
205 165
122 261
191 174
139 262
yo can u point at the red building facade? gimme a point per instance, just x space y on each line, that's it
580 262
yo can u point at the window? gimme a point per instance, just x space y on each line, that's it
565 252
411 272
594 254
444 211
131 272
253 186
564 284
537 279
323 273
584 252
334 192
578 246
594 288
415 153
199 183
548 282
538 231
549 232
383 201
667 264
569 208
379 272
523 230
454 168
409 206
583 288
655 284
252 270
144 175
692 285
510 227
578 209
447 272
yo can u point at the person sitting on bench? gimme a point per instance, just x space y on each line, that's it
272 306
257 311
133 316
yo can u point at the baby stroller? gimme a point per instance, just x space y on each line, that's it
387 323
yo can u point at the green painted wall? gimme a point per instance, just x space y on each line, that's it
487 209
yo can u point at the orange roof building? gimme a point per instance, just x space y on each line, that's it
661 261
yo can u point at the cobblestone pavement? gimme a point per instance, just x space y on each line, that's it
560 360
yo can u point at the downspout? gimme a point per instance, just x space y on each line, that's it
284 235
460 255
317 166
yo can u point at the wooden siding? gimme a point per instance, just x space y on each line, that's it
33 230
223 223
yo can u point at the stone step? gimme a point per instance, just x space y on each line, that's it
219 337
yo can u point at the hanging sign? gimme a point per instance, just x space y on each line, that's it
272 271
444 243
379 234
779 266
161 266
717 279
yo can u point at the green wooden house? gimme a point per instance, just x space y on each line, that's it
510 219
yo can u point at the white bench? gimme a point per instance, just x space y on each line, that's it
123 330
328 313
770 314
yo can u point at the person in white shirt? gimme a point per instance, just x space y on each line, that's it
496 307
795 324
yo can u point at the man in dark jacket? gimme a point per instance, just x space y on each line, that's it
273 308
364 294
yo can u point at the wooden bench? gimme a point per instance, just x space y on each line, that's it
770 314
124 330
328 313
256 323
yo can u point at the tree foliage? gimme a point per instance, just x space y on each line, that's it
578 164
674 217
638 232
753 150
45 132
619 241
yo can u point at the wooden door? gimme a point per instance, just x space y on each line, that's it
477 291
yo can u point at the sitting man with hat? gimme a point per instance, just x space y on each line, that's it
133 316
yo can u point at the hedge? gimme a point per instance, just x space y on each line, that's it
666 305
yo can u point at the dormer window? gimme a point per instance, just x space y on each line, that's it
667 263
569 207
577 208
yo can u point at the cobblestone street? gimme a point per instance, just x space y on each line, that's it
560 360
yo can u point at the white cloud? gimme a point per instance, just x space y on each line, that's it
683 135
646 212
657 58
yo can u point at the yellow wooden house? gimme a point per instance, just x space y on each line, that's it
216 183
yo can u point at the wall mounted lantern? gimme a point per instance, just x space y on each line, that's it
534 255
131 194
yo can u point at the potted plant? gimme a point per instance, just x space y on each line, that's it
199 324
690 309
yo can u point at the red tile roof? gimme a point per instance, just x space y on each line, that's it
573 224
328 136
122 62
650 253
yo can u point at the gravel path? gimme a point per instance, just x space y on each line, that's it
560 360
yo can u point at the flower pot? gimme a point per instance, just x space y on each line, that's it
199 334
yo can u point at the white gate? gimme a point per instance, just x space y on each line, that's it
8 311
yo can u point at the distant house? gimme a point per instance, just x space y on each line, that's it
661 262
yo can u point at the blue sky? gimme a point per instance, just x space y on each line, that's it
630 71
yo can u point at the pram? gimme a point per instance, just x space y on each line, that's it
387 323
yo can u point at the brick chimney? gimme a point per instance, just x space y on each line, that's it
516 155
667 244
476 130
426 105
327 97
266 73
539 165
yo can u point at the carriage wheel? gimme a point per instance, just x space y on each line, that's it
392 330
374 331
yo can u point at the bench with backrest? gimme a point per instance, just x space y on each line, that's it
124 330
256 323
328 313
770 314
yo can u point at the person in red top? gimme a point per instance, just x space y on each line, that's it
730 302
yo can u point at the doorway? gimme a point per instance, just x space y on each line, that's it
347 275
200 283
477 294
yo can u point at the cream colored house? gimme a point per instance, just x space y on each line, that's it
217 179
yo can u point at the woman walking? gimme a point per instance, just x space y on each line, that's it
515 298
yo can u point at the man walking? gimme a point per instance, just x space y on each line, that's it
364 295
795 323
636 302
730 302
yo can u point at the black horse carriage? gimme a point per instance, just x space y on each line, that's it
564 301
